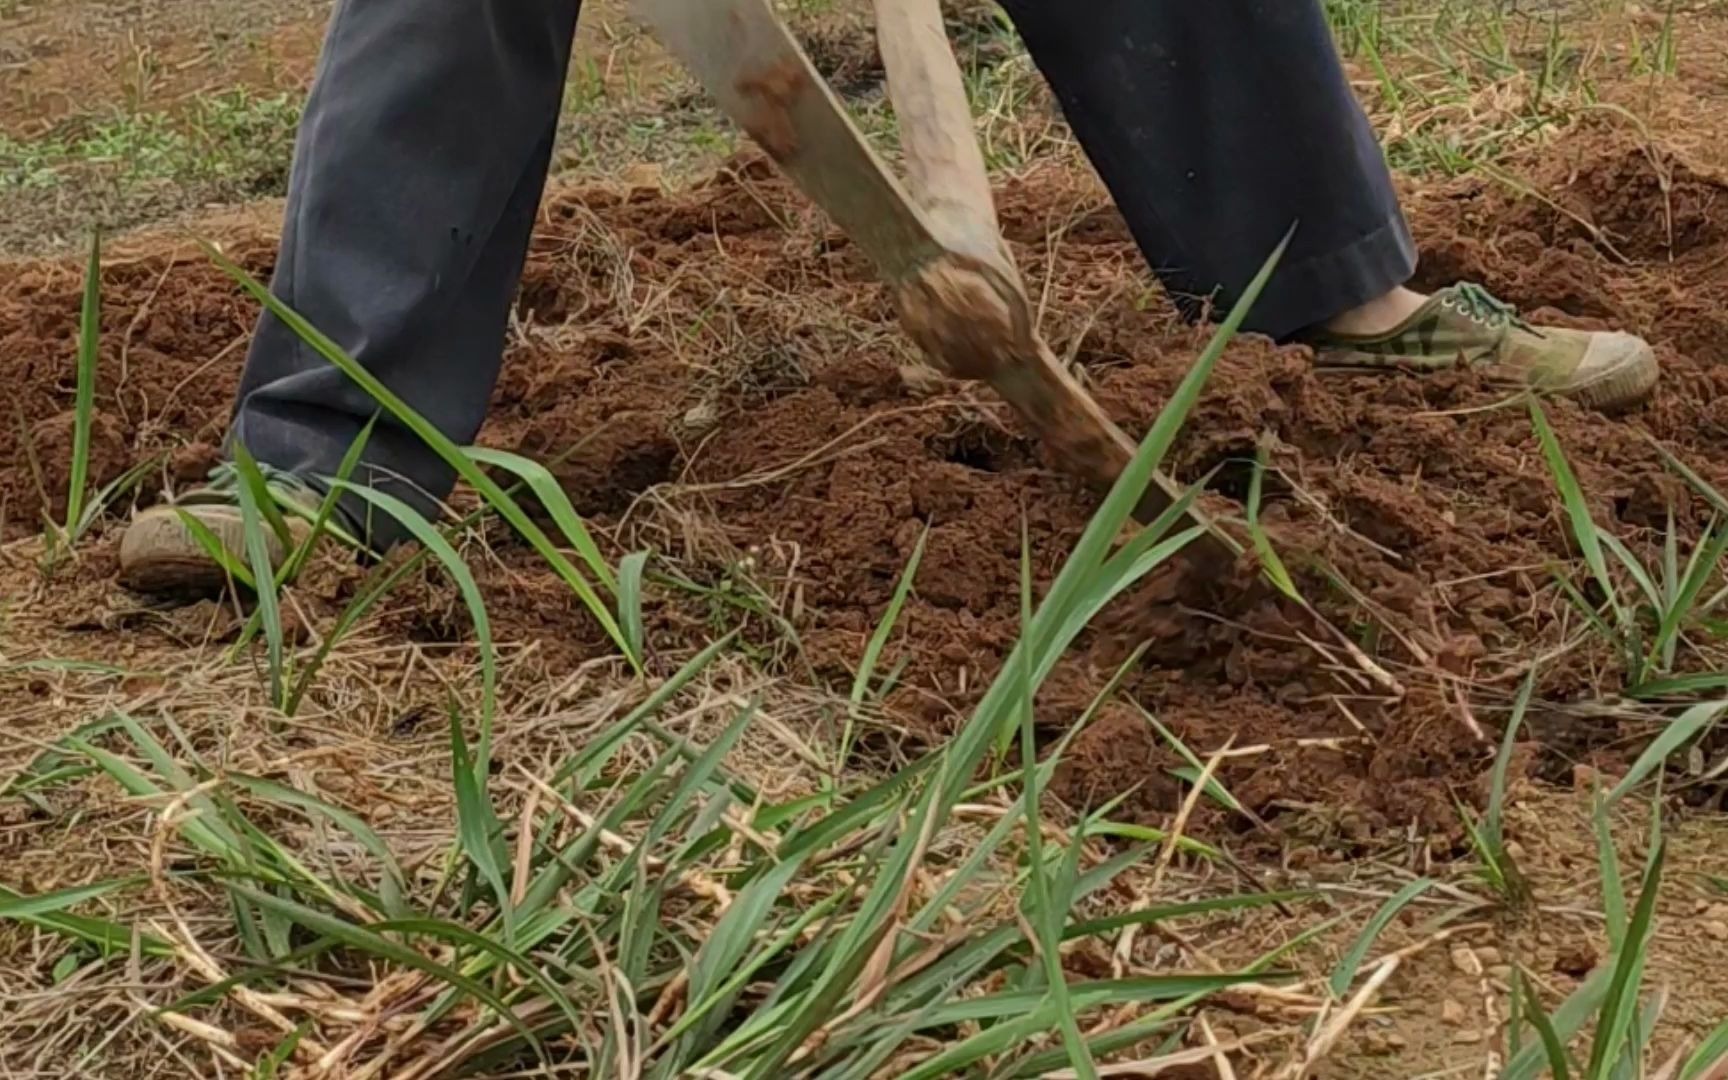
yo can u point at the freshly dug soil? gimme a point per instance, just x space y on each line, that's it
716 374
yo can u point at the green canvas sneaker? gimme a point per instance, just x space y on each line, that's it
161 555
1465 324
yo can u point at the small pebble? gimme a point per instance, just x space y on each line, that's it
1396 1041
1719 912
1468 1035
1489 955
1452 1012
1464 959
1717 929
1501 971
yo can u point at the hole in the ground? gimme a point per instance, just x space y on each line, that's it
982 447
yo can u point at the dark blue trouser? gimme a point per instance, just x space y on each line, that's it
1216 125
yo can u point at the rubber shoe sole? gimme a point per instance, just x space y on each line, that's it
160 555
1618 372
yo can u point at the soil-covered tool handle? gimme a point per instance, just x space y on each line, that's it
944 164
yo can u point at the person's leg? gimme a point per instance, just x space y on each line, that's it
417 177
1218 126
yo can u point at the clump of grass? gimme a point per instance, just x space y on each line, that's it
235 140
89 331
1500 870
1622 1023
84 507
817 937
467 465
1646 637
1459 88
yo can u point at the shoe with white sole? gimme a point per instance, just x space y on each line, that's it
1466 325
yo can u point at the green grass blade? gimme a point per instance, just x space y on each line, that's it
1559 1062
252 479
1631 1063
113 489
1191 773
1619 1008
269 1066
1118 576
1270 563
1634 569
600 750
1585 608
56 763
477 825
1689 726
879 639
1078 575
460 936
84 401
1683 686
210 822
15 905
1608 866
217 551
452 455
433 540
321 521
730 940
886 624
1584 530
254 497
1671 556
1345 973
109 938
1496 814
629 591
1707 558
321 525
1565 1023
551 494
1044 914
1711 1053
1716 499
1024 1014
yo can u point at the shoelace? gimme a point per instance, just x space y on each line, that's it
223 485
1474 302
224 479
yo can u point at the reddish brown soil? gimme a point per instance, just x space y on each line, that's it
723 354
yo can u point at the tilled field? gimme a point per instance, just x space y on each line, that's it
715 375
